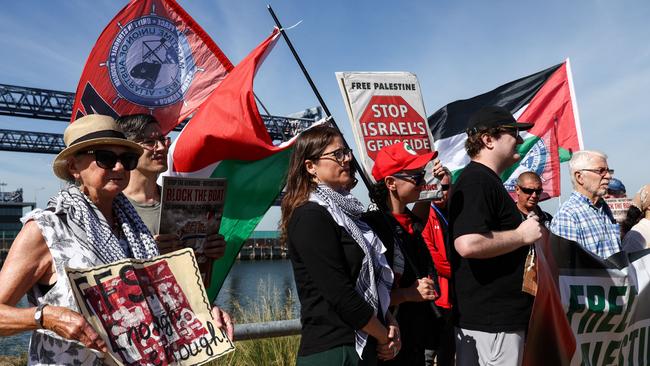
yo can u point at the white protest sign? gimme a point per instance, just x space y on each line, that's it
386 108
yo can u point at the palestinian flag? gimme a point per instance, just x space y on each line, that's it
227 138
545 99
151 58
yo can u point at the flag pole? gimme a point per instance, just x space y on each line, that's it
355 163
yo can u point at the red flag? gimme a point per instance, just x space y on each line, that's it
151 58
228 125
550 339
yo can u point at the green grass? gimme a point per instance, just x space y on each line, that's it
13 360
278 351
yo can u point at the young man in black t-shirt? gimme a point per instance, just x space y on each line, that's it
490 246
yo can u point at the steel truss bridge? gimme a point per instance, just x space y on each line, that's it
54 105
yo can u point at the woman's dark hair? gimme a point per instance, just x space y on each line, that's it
379 195
133 125
633 216
308 146
474 143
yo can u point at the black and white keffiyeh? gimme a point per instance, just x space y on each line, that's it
375 277
91 231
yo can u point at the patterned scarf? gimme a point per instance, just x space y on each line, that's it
375 277
91 230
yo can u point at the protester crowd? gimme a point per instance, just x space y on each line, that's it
393 285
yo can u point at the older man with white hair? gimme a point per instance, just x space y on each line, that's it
585 217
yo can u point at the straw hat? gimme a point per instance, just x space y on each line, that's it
87 131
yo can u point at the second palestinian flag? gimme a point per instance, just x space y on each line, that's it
545 99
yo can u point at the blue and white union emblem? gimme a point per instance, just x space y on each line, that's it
150 62
534 161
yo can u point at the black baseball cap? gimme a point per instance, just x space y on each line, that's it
494 116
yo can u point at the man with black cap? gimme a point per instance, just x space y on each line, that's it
491 242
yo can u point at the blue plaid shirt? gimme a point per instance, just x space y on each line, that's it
591 226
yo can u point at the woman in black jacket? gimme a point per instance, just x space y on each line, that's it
341 274
399 173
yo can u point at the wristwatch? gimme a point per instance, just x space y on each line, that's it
38 315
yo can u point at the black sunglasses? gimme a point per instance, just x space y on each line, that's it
107 159
512 131
417 178
530 191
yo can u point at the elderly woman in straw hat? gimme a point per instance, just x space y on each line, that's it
86 224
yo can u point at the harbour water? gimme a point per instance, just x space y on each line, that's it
249 285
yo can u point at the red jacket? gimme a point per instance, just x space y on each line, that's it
434 237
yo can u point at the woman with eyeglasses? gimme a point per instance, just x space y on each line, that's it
88 223
341 274
144 193
399 172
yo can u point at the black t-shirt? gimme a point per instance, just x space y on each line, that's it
326 262
487 291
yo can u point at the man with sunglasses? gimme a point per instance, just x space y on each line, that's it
529 190
490 246
585 217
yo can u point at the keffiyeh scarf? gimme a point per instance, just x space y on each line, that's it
92 232
375 277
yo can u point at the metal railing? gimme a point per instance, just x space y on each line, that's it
278 328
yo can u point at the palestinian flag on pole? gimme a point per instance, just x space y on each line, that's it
227 138
546 99
151 58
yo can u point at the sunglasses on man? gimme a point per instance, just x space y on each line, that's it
512 131
417 178
530 191
106 159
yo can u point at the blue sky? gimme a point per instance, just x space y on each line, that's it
457 49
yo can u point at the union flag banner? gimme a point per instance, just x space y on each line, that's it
151 58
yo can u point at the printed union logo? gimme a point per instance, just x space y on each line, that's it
150 62
534 161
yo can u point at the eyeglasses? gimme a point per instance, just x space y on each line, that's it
417 178
151 144
107 159
445 187
600 171
339 154
530 191
514 132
